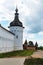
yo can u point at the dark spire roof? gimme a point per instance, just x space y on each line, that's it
16 21
16 10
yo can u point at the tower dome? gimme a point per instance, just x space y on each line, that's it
16 21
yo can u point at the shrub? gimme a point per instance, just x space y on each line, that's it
40 48
33 61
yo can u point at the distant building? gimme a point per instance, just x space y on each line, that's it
30 46
12 40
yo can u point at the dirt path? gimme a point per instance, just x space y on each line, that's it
37 54
12 61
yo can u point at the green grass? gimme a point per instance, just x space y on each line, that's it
33 61
17 53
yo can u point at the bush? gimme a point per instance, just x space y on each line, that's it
40 48
33 61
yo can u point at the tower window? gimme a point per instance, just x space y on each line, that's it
16 28
17 36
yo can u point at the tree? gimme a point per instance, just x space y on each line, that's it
31 43
40 48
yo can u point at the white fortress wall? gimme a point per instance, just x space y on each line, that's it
6 41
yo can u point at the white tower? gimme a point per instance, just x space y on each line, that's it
16 27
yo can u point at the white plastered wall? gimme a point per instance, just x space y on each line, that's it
18 31
7 41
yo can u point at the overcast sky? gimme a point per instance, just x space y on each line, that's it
30 14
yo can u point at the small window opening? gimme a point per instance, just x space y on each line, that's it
17 36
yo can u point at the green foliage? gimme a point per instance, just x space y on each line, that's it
33 61
40 48
17 53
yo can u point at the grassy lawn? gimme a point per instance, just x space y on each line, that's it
33 61
17 53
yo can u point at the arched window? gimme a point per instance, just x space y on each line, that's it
17 36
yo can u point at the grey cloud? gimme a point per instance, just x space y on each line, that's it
36 24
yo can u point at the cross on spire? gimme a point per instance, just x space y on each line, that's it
16 9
